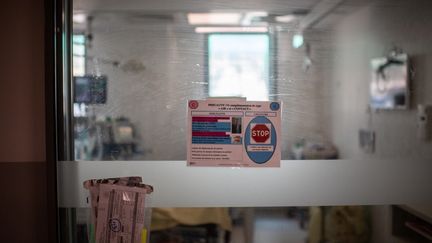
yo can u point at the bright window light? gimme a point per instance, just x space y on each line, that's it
239 65
79 52
285 18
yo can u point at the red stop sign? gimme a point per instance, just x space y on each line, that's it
260 133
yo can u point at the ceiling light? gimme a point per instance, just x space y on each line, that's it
285 18
231 29
214 18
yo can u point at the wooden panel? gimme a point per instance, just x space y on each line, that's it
23 202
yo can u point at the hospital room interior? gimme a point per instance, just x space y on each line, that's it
353 76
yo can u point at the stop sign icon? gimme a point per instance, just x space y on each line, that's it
260 133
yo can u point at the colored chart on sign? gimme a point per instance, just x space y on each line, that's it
233 132
211 130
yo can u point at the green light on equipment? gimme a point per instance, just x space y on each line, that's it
297 41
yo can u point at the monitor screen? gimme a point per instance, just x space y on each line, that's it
90 89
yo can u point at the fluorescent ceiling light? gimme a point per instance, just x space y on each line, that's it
231 29
250 16
79 18
285 18
214 18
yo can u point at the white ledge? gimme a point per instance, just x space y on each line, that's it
295 183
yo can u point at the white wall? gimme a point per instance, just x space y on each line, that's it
153 99
367 33
303 92
371 32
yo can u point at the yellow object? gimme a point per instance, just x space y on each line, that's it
164 218
343 224
144 236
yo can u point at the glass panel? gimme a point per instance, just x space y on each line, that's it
327 62
348 224
332 65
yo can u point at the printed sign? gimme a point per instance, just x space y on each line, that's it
233 132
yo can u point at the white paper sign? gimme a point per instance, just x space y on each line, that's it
234 132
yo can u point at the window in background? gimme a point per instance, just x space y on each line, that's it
238 65
79 68
78 51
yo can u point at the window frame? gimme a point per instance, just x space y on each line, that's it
58 120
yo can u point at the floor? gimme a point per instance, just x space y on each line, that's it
271 226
